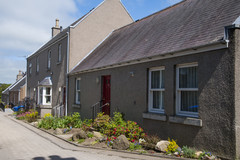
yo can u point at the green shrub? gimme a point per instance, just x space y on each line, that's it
29 116
117 126
101 122
81 140
188 152
49 122
135 146
90 135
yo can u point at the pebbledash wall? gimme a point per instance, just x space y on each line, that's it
56 72
217 127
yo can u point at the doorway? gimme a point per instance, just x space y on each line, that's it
106 94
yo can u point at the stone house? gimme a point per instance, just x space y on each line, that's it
15 94
175 72
47 68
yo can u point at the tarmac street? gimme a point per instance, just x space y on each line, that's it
20 141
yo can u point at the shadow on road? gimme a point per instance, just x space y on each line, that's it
54 157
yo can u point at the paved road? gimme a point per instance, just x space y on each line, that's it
20 141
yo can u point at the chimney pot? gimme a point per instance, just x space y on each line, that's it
57 23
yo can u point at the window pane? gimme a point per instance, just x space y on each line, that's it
162 79
59 53
155 79
189 101
78 84
78 96
188 77
48 99
48 90
162 94
156 99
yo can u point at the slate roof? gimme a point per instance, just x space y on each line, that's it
46 82
15 86
188 24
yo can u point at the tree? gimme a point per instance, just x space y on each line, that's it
3 86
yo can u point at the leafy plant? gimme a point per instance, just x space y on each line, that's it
188 152
135 146
90 135
172 147
81 140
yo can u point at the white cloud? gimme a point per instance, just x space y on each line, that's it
25 25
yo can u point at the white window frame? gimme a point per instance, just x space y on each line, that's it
59 52
77 91
49 59
37 66
178 91
44 95
150 90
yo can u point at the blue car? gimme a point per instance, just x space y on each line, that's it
17 108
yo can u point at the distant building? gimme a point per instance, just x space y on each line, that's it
15 94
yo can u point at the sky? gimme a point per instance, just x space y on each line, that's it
25 25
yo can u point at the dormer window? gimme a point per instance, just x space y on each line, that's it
30 68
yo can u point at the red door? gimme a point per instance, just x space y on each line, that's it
106 94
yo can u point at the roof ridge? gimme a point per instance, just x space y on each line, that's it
153 14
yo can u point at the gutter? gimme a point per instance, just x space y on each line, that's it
226 32
188 51
66 97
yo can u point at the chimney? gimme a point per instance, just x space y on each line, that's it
20 75
56 29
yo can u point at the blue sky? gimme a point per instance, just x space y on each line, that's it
26 25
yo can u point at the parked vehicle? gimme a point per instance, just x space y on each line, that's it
18 108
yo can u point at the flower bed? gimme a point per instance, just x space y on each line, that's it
104 131
29 116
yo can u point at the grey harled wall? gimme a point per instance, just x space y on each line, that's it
129 95
236 49
57 72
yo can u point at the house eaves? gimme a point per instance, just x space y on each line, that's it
189 51
19 81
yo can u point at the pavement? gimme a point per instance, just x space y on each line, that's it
21 141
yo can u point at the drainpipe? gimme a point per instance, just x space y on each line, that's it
66 97
226 32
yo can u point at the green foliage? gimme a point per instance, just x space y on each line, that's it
101 121
87 124
172 147
49 122
135 146
90 135
117 126
29 116
188 152
81 140
2 88
205 153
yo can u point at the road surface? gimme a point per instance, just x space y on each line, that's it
20 141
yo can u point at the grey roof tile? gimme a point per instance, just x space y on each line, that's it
190 23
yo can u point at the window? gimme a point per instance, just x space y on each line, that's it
156 90
49 60
187 90
30 68
45 95
37 67
77 91
59 53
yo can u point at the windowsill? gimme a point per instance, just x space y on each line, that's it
154 116
76 105
186 120
59 62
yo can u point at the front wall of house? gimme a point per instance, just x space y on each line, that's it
14 97
129 94
57 71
